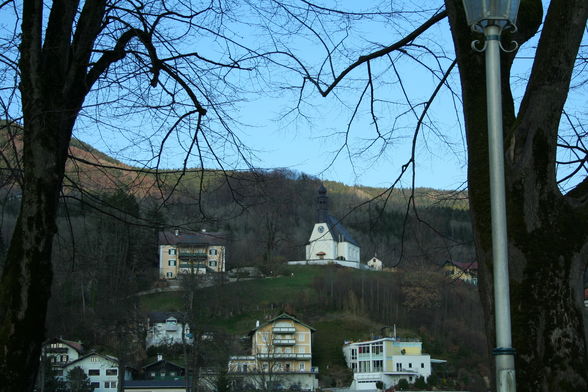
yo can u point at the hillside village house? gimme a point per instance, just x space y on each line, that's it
466 272
102 371
60 352
191 253
375 264
281 356
166 328
387 360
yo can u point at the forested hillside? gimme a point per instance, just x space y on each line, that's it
106 251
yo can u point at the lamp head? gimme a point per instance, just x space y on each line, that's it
481 13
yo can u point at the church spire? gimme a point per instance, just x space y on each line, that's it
323 205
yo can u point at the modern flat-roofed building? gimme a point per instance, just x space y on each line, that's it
387 360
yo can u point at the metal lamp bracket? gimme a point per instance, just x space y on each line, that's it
479 47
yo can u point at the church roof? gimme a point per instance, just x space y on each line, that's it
338 231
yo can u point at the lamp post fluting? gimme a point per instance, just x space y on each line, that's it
490 17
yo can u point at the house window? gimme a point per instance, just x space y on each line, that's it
109 384
172 374
95 385
301 366
171 262
94 359
422 365
212 263
111 372
410 364
353 353
152 374
63 358
94 372
398 367
169 274
378 366
213 252
171 251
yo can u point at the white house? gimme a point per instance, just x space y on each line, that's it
375 264
166 328
330 242
102 370
60 352
388 360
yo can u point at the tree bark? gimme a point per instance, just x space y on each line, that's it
547 231
53 87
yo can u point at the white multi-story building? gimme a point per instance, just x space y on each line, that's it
166 328
191 253
102 371
387 360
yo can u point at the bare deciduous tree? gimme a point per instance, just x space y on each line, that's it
102 61
546 172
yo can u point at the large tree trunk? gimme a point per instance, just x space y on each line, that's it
547 231
53 86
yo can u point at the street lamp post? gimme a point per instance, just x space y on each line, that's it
491 17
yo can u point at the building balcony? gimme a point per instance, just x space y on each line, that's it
196 257
285 330
312 370
189 266
303 356
283 342
57 350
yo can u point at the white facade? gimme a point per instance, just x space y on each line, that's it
375 264
329 239
102 370
59 352
388 360
166 328
326 244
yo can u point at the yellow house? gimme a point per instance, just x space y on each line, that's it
467 272
281 355
191 253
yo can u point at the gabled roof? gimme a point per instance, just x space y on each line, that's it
73 344
163 362
107 357
338 231
283 316
161 317
191 238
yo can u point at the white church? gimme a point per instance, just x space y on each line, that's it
330 242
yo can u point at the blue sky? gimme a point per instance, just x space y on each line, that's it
311 139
